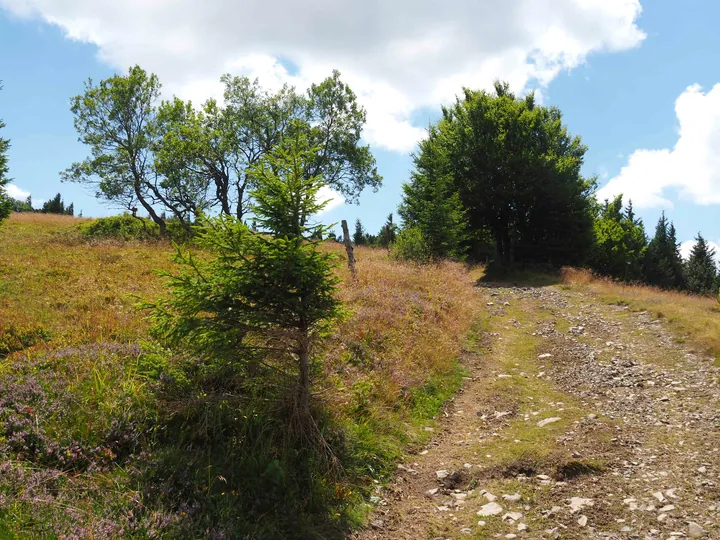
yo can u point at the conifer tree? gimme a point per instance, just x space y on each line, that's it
263 298
700 268
5 201
359 236
663 265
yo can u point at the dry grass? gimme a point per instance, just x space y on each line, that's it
409 323
696 317
76 292
388 367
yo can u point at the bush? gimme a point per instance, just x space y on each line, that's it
410 246
123 227
127 227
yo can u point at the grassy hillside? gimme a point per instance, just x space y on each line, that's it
105 433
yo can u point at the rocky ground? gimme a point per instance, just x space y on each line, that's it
577 420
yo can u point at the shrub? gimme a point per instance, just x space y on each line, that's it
122 227
410 246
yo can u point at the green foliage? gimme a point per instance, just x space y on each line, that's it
516 172
263 299
388 233
700 269
117 119
22 206
359 234
56 206
432 206
122 227
5 201
663 266
620 242
410 245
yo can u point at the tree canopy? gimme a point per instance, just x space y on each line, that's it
515 171
173 157
620 242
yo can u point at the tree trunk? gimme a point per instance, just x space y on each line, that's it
303 398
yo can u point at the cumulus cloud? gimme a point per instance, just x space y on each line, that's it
687 245
691 167
332 197
16 193
399 56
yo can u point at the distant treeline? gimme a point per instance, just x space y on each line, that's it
56 205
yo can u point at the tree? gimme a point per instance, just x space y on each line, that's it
620 242
219 144
700 269
663 266
171 157
117 120
388 233
54 206
262 299
5 201
359 235
433 207
516 171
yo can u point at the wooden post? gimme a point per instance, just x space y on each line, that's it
349 249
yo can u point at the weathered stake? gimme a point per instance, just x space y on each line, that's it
349 249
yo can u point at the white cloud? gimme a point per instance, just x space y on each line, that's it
333 198
691 167
687 245
16 193
399 56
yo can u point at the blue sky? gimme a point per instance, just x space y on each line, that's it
622 72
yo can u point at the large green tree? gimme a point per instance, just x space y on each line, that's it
700 269
516 171
117 120
663 265
6 203
620 242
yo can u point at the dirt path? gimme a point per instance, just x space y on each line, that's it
579 420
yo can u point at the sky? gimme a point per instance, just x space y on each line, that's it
637 80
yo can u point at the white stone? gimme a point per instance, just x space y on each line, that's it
431 492
582 521
578 503
481 523
442 474
543 423
659 496
695 530
522 527
545 355
668 508
490 509
515 497
512 516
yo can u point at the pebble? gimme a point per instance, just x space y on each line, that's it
515 497
695 530
442 474
582 521
512 516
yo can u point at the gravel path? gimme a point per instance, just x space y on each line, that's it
578 420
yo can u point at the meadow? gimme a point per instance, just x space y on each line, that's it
104 432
